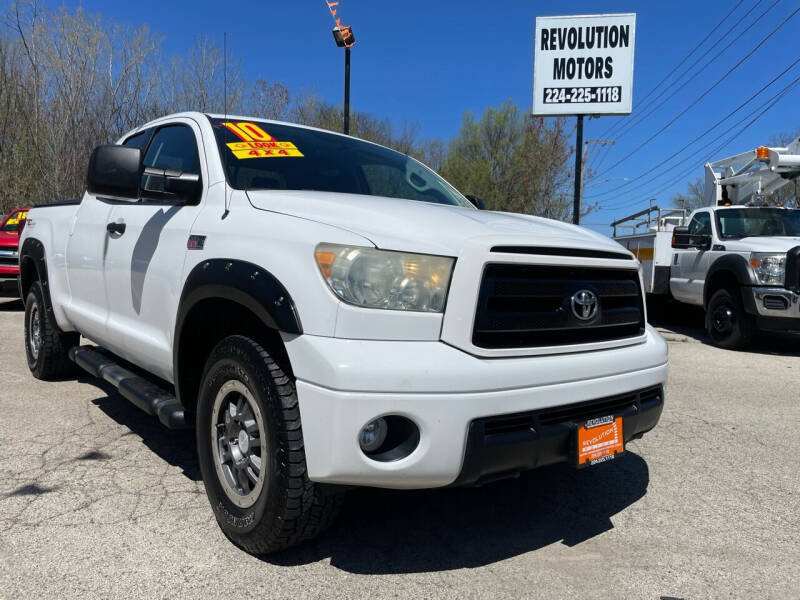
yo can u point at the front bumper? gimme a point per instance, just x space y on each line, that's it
344 384
775 302
501 446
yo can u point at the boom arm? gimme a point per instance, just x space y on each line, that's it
746 177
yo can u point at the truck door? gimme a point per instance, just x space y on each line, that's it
86 247
145 256
689 267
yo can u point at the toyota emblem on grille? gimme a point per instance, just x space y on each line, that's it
584 304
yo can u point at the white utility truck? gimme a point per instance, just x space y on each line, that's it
326 312
738 257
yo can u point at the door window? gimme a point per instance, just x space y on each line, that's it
174 148
700 224
139 140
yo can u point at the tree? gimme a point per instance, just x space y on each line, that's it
513 162
70 81
693 197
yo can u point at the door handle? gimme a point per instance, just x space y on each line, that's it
118 228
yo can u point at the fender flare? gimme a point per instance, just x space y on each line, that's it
32 251
734 264
242 282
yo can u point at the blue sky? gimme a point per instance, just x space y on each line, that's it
428 62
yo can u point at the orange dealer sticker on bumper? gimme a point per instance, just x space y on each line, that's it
600 440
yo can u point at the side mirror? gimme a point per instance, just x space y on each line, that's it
176 186
114 172
683 240
479 203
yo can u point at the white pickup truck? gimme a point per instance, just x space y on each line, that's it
327 312
738 257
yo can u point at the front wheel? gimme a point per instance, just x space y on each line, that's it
250 446
727 323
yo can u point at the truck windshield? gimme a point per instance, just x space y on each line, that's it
747 222
271 156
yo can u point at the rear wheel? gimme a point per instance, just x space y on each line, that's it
46 346
251 452
727 323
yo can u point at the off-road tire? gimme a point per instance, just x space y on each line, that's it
728 325
50 360
289 508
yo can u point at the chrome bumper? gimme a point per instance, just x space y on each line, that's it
776 302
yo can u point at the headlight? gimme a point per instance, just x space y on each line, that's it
770 268
383 279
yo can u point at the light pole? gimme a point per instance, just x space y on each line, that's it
343 35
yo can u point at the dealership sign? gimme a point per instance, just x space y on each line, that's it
584 65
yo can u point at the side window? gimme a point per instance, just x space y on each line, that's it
174 148
701 224
139 140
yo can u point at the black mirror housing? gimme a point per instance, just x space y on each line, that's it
477 202
114 172
683 240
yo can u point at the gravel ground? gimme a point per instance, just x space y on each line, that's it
97 500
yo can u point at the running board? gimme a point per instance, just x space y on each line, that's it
143 393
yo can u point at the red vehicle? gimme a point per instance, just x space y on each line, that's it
9 252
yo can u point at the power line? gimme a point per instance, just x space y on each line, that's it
769 104
771 101
684 59
706 132
704 94
623 122
629 126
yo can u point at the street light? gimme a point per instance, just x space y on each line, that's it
343 35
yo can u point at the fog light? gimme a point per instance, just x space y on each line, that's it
373 435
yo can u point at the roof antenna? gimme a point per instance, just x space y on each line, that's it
225 108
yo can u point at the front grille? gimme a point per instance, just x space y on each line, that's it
522 306
9 260
631 402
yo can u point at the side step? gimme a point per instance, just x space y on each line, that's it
143 393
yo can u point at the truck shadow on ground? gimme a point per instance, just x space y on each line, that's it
176 447
393 532
690 321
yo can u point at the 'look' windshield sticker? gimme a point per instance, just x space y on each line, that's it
257 143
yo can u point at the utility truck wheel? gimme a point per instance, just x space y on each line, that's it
250 446
728 325
46 346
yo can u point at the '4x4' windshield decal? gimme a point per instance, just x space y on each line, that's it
257 143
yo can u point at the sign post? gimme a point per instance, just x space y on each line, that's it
576 201
583 65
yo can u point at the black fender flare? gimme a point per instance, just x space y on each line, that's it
736 265
32 252
242 282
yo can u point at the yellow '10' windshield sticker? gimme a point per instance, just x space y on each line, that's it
257 143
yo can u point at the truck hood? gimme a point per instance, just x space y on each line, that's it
764 244
396 224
